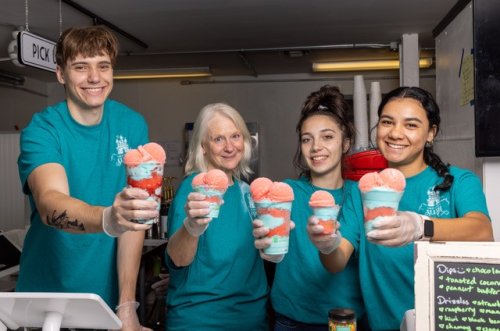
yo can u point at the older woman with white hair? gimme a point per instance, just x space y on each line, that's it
217 278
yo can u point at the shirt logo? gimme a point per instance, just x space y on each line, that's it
121 148
436 205
251 206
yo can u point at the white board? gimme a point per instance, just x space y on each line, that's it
457 286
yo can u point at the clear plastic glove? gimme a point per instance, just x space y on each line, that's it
196 208
127 314
129 204
262 242
401 229
325 243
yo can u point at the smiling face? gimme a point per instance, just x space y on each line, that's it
322 145
88 82
402 131
224 145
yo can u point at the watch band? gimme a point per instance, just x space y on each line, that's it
428 228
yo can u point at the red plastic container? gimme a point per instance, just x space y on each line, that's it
358 164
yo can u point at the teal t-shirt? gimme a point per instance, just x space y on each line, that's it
303 290
387 273
92 156
225 286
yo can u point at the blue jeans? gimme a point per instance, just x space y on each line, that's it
283 323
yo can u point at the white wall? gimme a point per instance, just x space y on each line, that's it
13 213
19 103
17 107
491 179
456 144
456 140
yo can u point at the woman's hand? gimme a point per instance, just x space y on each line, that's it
196 208
262 241
325 243
401 229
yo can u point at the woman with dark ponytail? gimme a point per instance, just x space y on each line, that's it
303 290
448 200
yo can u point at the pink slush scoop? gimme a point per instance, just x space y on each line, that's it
156 152
217 179
280 192
199 179
146 153
389 178
259 188
369 181
394 179
321 199
214 179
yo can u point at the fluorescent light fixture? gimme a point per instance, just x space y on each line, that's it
163 73
365 65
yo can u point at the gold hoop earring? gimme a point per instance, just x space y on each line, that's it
429 143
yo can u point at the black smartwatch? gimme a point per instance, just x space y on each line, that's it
428 228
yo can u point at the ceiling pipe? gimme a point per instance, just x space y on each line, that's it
393 46
98 20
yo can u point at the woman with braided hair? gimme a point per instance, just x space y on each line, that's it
447 199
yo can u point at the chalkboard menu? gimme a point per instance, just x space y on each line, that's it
467 296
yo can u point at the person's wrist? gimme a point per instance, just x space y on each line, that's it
427 228
109 227
335 244
193 230
128 304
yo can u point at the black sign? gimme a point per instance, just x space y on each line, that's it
467 296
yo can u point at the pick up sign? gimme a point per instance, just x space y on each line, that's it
35 51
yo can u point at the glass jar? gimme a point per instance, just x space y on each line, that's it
341 319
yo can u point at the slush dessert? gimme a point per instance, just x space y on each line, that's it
273 201
325 209
145 171
213 184
381 193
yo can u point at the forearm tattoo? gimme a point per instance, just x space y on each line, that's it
62 221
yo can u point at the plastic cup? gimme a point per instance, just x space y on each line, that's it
379 203
214 198
327 217
147 176
275 216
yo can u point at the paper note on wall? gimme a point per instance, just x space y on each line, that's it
467 80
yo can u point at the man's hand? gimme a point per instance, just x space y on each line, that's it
130 204
127 314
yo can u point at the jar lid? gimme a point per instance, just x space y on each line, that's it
342 314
